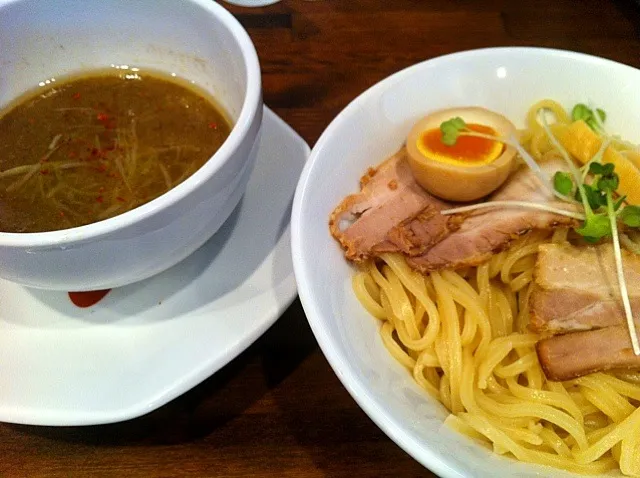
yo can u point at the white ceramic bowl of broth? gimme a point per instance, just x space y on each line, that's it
372 127
198 41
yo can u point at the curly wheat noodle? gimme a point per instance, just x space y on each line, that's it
517 367
535 425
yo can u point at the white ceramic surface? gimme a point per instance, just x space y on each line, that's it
197 40
147 343
372 127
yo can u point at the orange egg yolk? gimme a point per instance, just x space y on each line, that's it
468 150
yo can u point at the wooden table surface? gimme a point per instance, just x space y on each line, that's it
278 410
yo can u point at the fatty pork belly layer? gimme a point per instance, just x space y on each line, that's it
392 213
576 296
568 356
576 288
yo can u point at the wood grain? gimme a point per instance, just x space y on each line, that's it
278 410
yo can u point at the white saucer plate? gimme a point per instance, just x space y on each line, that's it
252 3
145 344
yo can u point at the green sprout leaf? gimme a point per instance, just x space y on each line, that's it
608 183
595 227
596 168
581 112
458 122
451 129
591 123
591 240
595 197
630 216
586 114
562 182
619 202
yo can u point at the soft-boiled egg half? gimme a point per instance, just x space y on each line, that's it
469 169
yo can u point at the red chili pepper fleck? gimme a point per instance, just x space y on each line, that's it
100 199
213 125
103 117
44 172
120 198
72 154
61 214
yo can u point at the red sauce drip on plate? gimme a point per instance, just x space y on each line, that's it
87 299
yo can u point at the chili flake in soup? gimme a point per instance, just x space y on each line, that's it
94 146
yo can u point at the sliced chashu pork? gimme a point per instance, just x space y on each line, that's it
488 231
390 213
577 296
568 356
576 288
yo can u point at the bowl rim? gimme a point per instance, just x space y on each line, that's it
356 387
250 109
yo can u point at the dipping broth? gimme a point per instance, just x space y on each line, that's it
90 147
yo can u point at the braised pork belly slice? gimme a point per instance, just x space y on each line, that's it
487 231
414 236
564 357
390 213
576 288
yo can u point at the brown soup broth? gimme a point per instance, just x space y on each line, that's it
90 147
